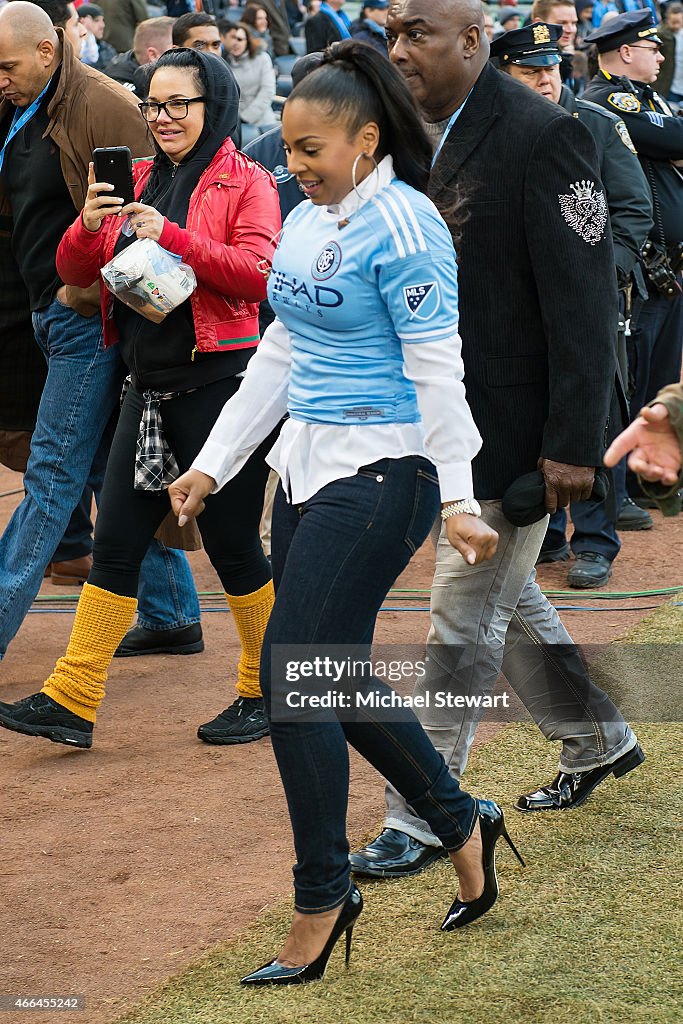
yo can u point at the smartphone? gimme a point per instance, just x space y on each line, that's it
114 164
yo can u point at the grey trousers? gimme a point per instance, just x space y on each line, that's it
494 617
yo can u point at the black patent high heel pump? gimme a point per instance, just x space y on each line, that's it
492 825
274 973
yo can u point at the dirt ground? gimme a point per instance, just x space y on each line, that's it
122 864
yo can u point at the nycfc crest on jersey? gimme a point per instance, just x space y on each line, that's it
422 300
328 262
585 211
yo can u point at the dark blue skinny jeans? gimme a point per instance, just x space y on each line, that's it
335 557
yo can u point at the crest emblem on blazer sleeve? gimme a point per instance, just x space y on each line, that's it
585 211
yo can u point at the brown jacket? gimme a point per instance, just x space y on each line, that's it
87 111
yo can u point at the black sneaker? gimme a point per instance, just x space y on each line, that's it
39 715
242 722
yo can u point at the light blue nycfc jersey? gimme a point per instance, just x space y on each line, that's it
351 296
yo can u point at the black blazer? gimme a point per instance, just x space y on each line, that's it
320 32
537 284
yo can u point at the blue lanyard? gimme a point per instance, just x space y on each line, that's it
454 117
18 122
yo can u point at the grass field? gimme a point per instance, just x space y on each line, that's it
591 932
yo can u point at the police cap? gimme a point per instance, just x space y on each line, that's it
625 28
533 46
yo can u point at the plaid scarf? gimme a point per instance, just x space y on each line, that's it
155 464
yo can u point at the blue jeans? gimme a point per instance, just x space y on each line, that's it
81 391
167 596
334 560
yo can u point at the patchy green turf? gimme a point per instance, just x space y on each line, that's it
590 933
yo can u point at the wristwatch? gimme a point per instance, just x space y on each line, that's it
468 506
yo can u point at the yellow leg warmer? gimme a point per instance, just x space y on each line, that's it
251 613
102 621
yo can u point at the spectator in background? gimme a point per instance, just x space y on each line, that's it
278 20
256 17
488 22
121 18
584 12
329 25
508 21
369 27
255 76
152 38
63 15
91 17
226 30
603 7
296 12
670 78
197 31
558 12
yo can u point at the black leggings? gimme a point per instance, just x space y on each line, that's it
128 519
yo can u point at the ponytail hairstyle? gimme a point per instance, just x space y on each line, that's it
356 83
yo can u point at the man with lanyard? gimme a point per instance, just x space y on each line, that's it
532 56
628 49
329 25
54 111
518 182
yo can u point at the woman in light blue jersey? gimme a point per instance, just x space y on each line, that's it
365 357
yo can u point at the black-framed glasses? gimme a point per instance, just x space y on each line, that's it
639 46
175 109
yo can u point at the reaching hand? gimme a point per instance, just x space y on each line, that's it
472 537
187 494
565 483
652 441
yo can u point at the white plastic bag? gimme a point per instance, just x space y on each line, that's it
149 279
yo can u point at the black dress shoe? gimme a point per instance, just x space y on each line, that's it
572 789
393 854
590 570
631 517
554 555
181 640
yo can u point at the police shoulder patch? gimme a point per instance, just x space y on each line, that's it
622 132
624 101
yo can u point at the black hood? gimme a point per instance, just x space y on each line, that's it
170 192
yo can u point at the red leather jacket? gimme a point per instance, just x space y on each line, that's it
232 223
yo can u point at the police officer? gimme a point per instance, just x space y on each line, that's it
532 56
628 50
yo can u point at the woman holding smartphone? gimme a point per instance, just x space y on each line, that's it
218 210
365 357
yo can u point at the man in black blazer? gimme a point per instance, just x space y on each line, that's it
517 180
329 25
